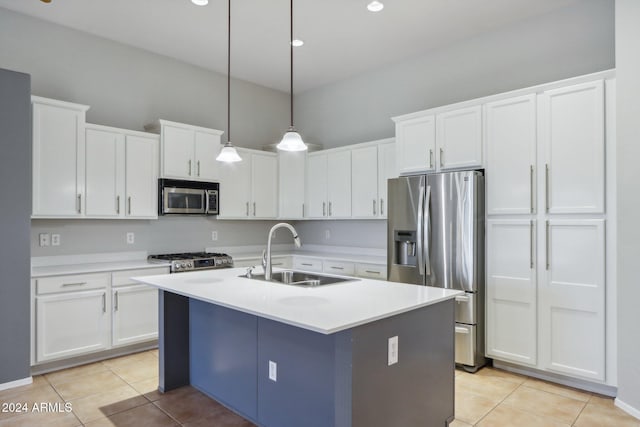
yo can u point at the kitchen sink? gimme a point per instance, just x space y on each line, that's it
300 278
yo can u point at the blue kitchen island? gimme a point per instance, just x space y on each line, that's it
286 356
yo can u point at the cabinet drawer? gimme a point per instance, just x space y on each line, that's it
121 278
281 262
76 282
339 267
372 271
307 264
465 344
466 308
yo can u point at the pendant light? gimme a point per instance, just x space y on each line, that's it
291 141
228 154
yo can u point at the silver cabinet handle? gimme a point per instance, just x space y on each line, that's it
337 268
254 208
104 302
531 188
531 235
247 209
324 209
431 158
189 168
115 301
441 157
420 226
118 205
381 206
303 210
79 203
198 167
74 284
330 210
547 246
372 272
129 202
374 207
306 264
427 231
546 186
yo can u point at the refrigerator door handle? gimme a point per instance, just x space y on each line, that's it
420 230
427 231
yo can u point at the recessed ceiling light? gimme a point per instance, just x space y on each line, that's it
297 43
375 6
200 2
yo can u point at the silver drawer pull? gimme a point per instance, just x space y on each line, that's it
74 284
115 302
372 272
462 298
460 330
104 303
306 264
337 268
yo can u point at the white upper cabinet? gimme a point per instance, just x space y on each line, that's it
186 151
316 186
572 134
510 127
328 192
364 181
387 169
291 183
249 189
459 138
121 173
511 311
58 158
416 143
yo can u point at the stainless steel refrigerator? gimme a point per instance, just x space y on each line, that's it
435 237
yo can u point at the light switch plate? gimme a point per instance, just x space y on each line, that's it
131 238
45 239
393 351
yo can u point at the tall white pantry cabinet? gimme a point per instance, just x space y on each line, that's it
548 204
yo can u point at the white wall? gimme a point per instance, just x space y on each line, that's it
567 43
129 87
628 176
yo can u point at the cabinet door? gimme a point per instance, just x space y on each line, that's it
291 183
207 148
316 194
177 152
339 184
71 324
135 314
416 144
264 186
459 138
511 155
364 180
387 169
104 173
235 188
573 138
572 299
141 177
58 161
511 311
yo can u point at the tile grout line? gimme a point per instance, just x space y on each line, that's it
580 413
498 404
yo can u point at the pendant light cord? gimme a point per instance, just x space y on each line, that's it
291 62
229 72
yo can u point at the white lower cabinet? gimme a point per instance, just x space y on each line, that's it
371 271
307 264
86 313
341 268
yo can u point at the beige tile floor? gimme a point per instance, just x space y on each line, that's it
122 392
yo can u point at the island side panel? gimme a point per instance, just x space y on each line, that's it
304 392
173 341
223 353
419 389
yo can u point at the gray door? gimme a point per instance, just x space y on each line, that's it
451 241
405 229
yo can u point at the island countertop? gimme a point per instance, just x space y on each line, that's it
325 309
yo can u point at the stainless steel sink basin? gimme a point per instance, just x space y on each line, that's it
299 278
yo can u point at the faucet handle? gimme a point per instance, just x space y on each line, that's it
249 272
264 259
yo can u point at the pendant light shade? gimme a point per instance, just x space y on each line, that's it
228 154
291 141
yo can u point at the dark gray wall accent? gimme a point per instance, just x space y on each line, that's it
15 210
566 43
628 175
129 87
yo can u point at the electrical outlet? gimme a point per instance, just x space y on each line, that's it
214 235
45 239
273 371
327 234
393 351
55 240
131 238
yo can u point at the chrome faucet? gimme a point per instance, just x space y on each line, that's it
266 255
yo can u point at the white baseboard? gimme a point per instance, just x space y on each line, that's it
16 383
627 408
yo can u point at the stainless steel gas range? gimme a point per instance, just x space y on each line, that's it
191 261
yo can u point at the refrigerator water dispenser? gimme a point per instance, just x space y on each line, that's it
405 247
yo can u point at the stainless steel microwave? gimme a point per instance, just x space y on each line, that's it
187 197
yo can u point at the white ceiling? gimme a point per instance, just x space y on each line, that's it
341 37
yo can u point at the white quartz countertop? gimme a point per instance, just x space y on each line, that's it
92 267
325 309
